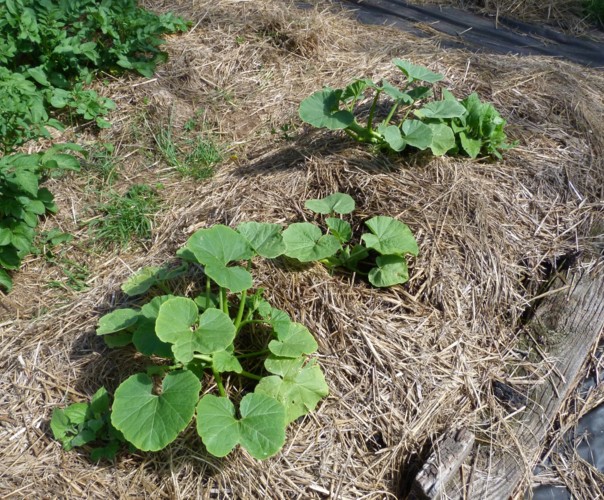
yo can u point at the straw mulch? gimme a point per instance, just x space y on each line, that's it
403 364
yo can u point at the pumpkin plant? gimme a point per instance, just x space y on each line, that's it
257 356
382 251
414 119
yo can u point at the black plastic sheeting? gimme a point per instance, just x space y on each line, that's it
475 32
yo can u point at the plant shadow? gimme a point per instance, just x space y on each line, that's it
327 145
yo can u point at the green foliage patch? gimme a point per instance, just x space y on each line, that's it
225 328
23 201
126 217
415 119
226 331
380 254
49 51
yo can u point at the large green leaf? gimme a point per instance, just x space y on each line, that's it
293 341
147 342
305 241
355 90
26 181
144 337
150 421
389 236
5 236
390 270
392 136
443 138
119 339
118 320
9 258
219 245
264 238
338 203
396 93
321 109
441 109
415 72
149 276
235 278
215 333
471 146
298 386
277 318
416 134
175 318
141 281
260 430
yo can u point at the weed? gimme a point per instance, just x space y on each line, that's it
192 157
126 217
595 9
101 161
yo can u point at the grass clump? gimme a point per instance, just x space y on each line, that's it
193 157
126 217
595 10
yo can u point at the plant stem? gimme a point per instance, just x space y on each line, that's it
252 354
391 114
372 111
224 305
208 285
253 376
219 384
362 134
241 309
250 321
203 357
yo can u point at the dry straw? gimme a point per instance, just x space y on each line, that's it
403 364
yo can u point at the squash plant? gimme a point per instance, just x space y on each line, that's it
380 254
414 118
257 356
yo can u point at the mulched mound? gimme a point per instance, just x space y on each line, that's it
403 364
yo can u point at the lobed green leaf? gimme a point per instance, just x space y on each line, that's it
322 109
389 236
338 203
390 270
117 320
305 241
297 385
152 421
264 238
260 430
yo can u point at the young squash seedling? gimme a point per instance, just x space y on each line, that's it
383 250
414 119
225 332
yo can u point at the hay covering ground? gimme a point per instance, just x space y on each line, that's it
403 364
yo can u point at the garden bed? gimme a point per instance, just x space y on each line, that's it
403 364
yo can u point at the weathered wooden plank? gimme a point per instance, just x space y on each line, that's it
447 456
571 322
